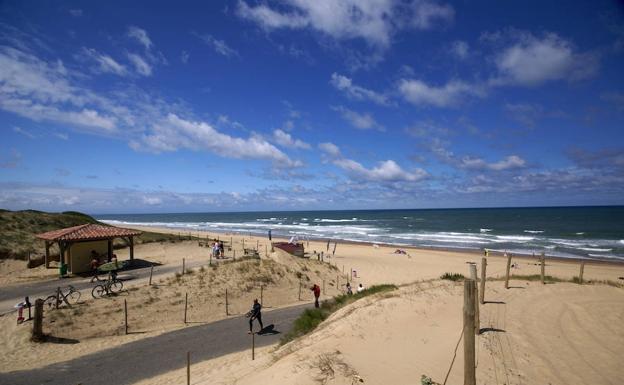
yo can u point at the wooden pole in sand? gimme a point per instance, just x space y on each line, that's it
337 281
543 261
183 266
37 332
323 287
508 267
188 368
581 272
483 275
470 287
185 305
299 290
253 346
227 311
234 255
261 294
126 315
266 251
257 244
473 276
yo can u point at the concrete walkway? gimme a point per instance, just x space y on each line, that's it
152 356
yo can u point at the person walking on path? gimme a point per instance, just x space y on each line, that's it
95 262
317 293
255 313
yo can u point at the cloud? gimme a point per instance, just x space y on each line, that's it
428 13
140 36
361 121
374 21
508 163
352 91
602 159
41 90
105 63
533 60
284 139
140 65
174 132
26 133
184 57
385 171
330 149
219 46
75 12
460 49
451 94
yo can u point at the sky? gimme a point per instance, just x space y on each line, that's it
150 106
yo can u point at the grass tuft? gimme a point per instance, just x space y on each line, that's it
452 277
311 318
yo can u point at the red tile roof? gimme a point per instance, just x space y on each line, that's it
87 232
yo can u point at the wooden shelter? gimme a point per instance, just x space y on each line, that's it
81 240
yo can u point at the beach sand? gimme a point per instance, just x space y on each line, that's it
552 333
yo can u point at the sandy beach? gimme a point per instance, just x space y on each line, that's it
537 333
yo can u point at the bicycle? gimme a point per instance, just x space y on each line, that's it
111 286
55 300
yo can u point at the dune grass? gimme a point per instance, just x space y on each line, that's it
452 277
311 318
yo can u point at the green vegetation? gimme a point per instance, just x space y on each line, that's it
452 277
311 318
18 229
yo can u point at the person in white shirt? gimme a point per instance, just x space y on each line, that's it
360 288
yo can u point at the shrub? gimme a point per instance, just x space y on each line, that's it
452 277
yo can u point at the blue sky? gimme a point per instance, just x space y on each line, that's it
117 106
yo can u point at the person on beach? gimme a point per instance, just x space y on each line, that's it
221 249
255 313
317 293
95 262
349 290
360 288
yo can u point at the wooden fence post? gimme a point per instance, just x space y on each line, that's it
469 336
188 368
37 332
266 251
58 295
126 315
483 275
261 294
323 287
253 346
507 274
183 266
473 276
234 255
337 281
151 272
581 272
185 305
299 290
227 311
543 260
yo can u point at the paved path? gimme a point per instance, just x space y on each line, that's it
152 356
10 295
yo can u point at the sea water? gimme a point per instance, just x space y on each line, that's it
589 232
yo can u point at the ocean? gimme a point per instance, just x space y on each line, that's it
572 232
